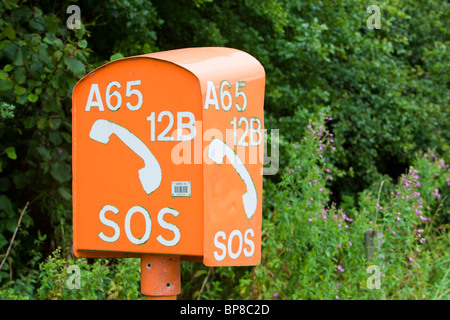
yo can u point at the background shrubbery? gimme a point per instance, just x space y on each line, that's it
383 94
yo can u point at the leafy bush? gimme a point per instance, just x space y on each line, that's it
100 280
42 60
313 250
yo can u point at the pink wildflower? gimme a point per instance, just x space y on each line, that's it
436 193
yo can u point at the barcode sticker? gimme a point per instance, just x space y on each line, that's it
181 188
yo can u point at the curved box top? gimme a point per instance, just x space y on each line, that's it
206 63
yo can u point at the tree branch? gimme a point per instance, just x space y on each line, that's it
14 235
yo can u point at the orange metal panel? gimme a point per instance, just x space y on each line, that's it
109 174
125 170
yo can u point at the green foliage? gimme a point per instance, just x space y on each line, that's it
119 27
10 295
42 60
24 285
313 250
103 279
7 110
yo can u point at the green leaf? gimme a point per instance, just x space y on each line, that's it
19 91
11 153
38 24
35 42
45 154
57 55
19 58
10 50
54 123
116 56
3 75
36 67
74 65
49 41
11 5
54 137
33 97
6 85
60 172
8 68
23 13
20 75
41 123
67 137
82 43
9 32
64 193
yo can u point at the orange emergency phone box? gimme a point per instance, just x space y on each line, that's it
168 157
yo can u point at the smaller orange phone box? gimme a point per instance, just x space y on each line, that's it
168 156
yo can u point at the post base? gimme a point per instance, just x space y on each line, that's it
160 277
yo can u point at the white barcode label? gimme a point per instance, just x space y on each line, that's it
181 188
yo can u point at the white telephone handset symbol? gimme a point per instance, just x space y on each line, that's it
217 151
150 175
